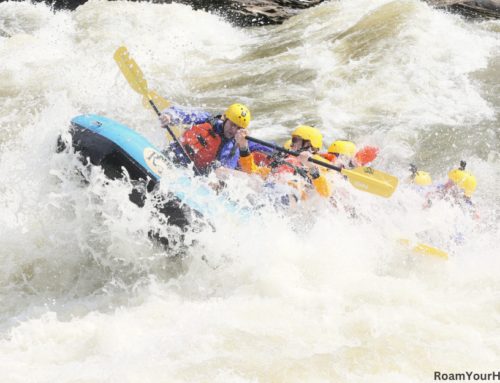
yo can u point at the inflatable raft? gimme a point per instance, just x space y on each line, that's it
119 150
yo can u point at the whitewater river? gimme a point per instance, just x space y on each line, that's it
85 296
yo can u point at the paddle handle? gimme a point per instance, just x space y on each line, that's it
154 106
283 150
174 137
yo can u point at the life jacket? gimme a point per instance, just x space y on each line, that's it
201 144
204 145
329 156
287 169
262 158
289 165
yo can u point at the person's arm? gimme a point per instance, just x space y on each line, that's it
184 116
248 165
246 159
322 186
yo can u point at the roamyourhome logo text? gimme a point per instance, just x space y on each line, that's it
467 376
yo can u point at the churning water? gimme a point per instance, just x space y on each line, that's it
85 296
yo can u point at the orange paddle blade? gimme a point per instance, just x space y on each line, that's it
366 154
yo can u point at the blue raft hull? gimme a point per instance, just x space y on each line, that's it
118 149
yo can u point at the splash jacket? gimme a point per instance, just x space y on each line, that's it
280 167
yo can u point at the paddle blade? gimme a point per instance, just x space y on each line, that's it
366 154
372 181
424 249
177 130
131 71
160 103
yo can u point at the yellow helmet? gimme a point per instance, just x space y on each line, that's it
342 147
311 134
239 114
464 181
288 145
420 178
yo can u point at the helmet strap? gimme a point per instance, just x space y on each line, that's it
224 124
307 149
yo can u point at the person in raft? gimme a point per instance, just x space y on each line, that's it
418 178
210 142
420 181
457 190
297 171
343 153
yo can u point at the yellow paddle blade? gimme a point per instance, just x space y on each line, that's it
160 103
421 248
177 131
131 71
372 181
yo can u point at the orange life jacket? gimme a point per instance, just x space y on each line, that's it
289 165
329 156
262 158
202 144
339 163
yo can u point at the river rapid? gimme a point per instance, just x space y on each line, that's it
85 296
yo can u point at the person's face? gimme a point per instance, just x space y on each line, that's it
298 144
230 129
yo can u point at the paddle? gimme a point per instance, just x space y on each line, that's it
421 248
136 79
162 105
157 99
366 154
365 179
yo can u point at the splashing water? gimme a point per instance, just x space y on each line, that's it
86 296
